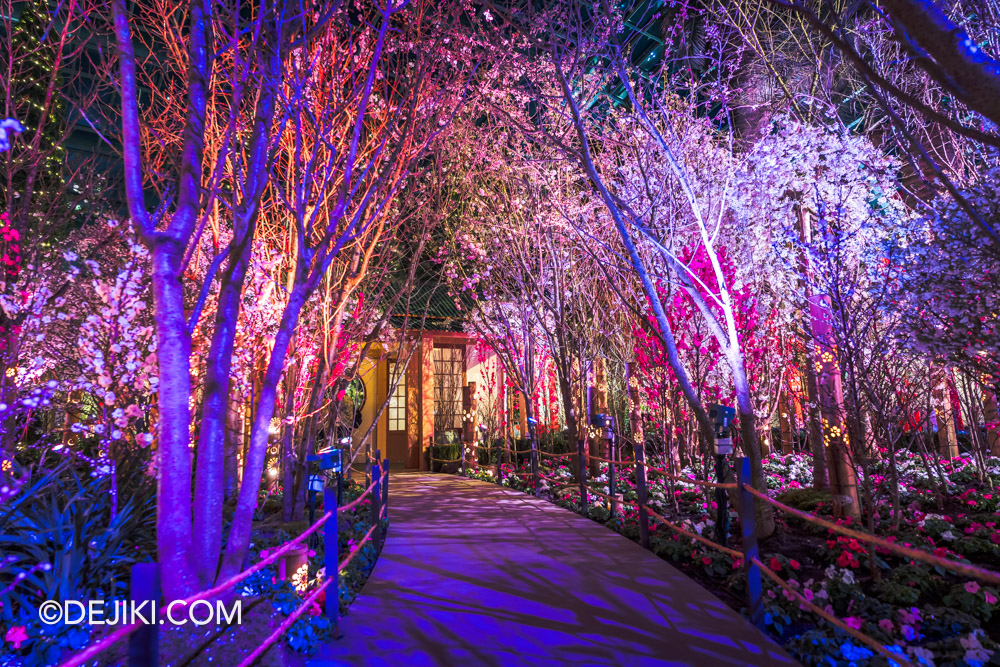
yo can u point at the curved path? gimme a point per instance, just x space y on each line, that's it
474 574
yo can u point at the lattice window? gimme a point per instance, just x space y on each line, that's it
397 400
449 367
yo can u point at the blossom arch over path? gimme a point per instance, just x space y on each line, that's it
475 574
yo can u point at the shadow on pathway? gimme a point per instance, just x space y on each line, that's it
474 574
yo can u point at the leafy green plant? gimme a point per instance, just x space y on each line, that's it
63 539
308 633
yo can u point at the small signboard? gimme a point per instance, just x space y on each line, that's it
316 483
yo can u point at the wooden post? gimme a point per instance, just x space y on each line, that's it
376 503
144 643
755 603
582 452
331 545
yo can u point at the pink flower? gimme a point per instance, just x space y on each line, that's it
886 625
990 598
972 587
17 635
853 622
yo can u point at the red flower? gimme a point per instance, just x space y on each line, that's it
794 563
847 559
775 564
706 561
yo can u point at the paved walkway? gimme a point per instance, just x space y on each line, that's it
473 574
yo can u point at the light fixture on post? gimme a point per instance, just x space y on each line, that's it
603 426
722 417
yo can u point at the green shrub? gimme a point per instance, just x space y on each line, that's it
807 500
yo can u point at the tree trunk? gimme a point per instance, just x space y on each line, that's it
947 437
992 416
751 445
784 419
239 534
173 473
843 480
288 455
234 445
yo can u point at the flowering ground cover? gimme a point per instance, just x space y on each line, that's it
931 616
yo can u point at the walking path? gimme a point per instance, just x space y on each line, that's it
475 574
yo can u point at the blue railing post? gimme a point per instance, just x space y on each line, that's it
385 489
376 502
755 603
144 643
580 444
331 544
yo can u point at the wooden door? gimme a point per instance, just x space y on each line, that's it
397 442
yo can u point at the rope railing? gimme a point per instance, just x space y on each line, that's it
696 482
354 503
694 536
286 624
432 458
970 571
307 603
609 461
123 632
553 456
830 618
